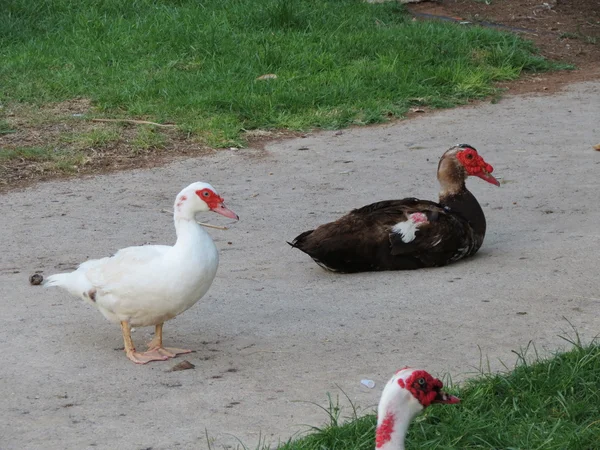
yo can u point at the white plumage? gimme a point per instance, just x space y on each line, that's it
148 285
407 230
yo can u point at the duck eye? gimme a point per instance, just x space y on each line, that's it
469 155
421 381
205 193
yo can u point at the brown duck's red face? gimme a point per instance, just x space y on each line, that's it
475 165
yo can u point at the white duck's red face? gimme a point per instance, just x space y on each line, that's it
475 165
423 387
405 395
215 202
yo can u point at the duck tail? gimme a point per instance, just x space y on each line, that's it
76 283
298 240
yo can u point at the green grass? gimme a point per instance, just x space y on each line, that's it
338 62
147 138
92 138
579 35
5 128
64 161
547 404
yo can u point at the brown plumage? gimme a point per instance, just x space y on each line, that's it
409 233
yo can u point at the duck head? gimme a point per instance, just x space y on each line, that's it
405 396
460 162
200 197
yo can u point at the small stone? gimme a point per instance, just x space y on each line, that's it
368 383
36 279
183 365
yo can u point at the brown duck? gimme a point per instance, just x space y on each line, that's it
410 233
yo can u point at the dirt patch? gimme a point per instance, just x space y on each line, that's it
62 140
59 140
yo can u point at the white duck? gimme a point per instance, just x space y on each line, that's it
148 285
404 397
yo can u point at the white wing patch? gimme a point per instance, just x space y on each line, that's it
408 229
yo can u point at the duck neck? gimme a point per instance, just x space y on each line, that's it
189 233
391 428
465 203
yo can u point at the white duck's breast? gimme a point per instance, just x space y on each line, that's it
161 289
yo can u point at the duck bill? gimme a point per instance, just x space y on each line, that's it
443 397
486 176
224 211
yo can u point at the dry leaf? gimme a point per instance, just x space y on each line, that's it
597 147
267 76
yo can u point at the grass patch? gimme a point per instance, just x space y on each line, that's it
44 158
581 36
57 139
5 127
338 62
96 137
148 137
547 404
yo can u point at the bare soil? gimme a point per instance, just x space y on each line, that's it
563 30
